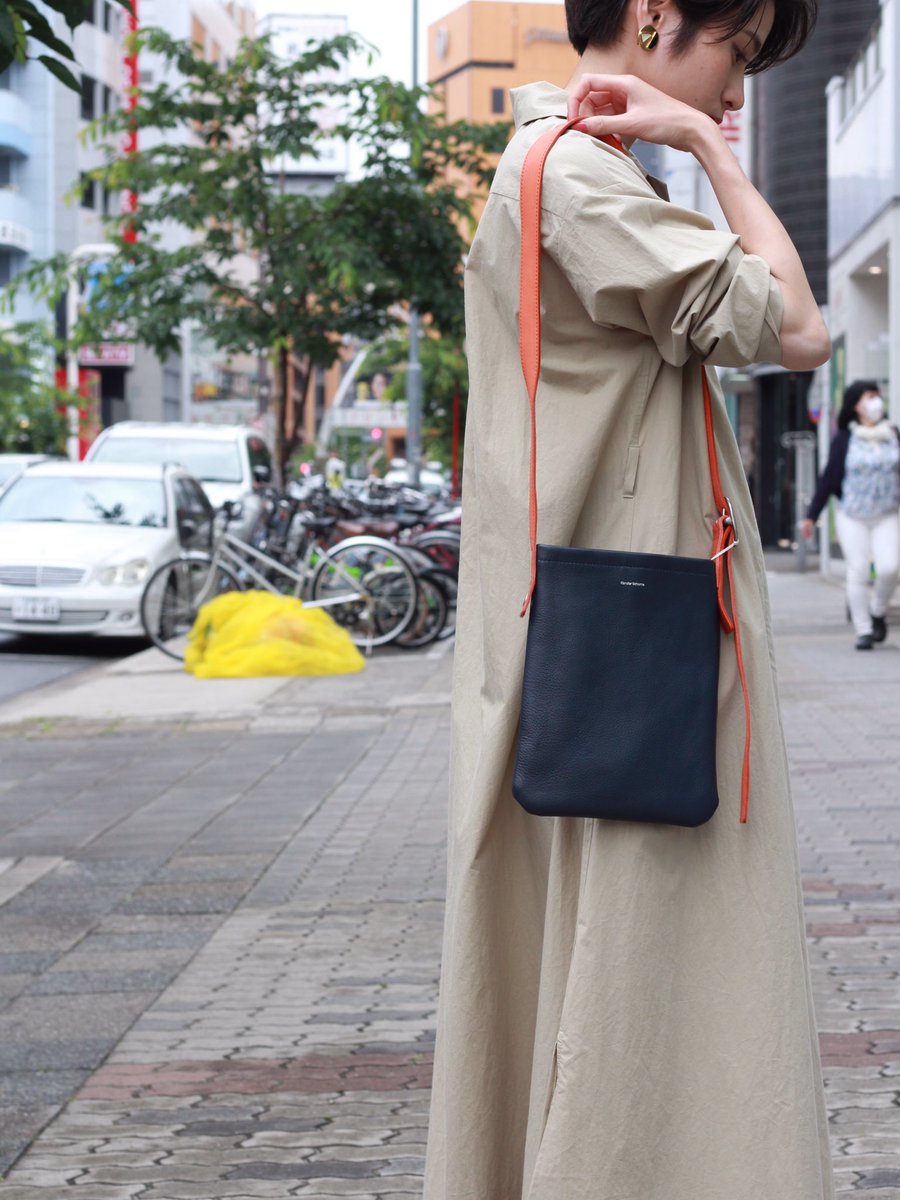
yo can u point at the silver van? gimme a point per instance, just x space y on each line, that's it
231 461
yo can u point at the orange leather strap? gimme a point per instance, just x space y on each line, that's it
724 533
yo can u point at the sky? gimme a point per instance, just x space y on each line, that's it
385 23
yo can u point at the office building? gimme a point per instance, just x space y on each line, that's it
482 49
864 211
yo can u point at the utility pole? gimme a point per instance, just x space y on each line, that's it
414 368
77 259
186 372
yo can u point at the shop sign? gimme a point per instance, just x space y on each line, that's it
107 354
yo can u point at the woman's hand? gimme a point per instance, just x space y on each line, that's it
629 108
806 528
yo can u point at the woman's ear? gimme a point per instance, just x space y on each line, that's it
654 12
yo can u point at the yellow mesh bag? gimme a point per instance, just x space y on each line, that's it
245 634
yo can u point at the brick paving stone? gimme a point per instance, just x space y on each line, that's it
291 1053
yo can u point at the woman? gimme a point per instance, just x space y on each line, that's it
863 472
625 1009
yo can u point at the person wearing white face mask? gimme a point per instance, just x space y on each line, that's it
863 472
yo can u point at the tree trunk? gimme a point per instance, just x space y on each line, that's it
301 370
289 405
280 407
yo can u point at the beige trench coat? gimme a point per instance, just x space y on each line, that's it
625 1010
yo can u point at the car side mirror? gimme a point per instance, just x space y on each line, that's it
262 473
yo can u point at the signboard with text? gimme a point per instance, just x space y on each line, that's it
107 354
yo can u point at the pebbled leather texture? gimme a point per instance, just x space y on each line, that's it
619 699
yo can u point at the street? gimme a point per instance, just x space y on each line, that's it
28 662
221 931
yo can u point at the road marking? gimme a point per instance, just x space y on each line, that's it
16 874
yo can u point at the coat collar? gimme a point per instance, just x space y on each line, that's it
534 101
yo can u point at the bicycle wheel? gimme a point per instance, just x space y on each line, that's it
448 581
441 547
173 596
369 588
429 617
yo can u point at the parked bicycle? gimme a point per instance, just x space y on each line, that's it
367 583
392 511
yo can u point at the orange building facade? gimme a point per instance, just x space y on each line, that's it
482 49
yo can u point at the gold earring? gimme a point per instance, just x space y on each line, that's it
648 37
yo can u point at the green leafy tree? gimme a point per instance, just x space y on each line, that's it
32 412
22 21
445 374
263 268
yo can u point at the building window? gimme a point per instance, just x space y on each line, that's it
110 100
498 100
89 18
88 98
88 192
109 18
7 176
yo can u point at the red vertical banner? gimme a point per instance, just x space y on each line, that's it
454 447
131 84
88 406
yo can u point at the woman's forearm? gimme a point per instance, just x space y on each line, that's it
804 338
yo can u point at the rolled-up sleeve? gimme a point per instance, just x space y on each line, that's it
640 263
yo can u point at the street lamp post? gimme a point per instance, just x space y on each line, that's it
80 255
414 368
186 381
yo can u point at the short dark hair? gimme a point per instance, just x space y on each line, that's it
599 22
852 396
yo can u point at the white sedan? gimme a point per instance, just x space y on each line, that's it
78 542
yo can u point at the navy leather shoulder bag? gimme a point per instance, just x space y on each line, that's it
620 691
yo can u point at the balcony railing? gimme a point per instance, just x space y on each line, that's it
15 124
15 221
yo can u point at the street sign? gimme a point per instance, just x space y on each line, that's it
366 415
107 354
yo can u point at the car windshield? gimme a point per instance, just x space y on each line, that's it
85 501
210 461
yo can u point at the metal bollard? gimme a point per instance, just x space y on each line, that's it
804 446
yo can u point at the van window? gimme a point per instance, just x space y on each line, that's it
210 461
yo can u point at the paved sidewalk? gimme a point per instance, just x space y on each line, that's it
221 932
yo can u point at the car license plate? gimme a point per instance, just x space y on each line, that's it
34 608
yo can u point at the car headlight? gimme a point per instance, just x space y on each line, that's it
128 574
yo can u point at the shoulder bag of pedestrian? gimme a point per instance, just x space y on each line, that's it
620 689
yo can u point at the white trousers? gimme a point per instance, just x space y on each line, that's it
863 542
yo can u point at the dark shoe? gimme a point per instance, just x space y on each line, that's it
879 629
865 642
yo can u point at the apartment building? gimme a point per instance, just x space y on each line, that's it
48 205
